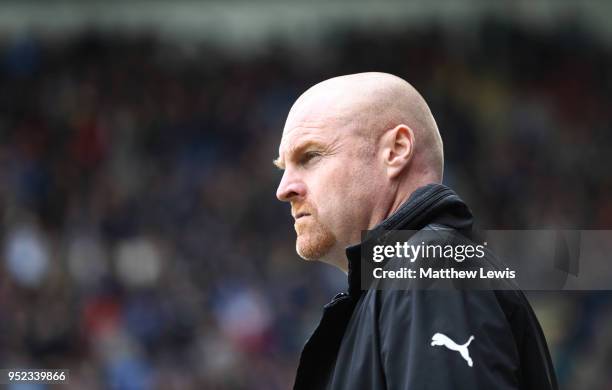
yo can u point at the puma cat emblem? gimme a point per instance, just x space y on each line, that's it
442 339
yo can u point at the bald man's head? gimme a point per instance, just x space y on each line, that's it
353 150
369 104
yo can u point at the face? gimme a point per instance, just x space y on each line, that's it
329 181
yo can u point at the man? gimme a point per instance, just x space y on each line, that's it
363 152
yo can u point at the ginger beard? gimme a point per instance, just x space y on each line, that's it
314 239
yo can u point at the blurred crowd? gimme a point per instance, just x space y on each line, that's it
142 246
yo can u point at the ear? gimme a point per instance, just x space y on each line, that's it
398 148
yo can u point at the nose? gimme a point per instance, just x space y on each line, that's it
290 188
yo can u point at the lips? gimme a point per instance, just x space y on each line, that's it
300 215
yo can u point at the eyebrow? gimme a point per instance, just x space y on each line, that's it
280 163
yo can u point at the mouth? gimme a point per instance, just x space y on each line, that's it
300 215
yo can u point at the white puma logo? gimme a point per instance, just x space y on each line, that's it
442 339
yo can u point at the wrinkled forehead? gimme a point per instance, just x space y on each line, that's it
319 108
321 119
320 133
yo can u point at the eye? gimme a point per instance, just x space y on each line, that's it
308 157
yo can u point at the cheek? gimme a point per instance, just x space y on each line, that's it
343 193
329 195
350 197
361 189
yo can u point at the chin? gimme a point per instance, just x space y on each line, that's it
311 248
307 252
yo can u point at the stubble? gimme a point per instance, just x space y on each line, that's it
314 240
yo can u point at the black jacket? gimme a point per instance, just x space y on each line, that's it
381 339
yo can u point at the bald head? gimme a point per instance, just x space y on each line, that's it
353 150
368 105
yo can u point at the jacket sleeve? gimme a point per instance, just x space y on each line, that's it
445 339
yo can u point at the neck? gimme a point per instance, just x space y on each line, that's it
404 191
337 256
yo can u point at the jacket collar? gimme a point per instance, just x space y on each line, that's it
433 203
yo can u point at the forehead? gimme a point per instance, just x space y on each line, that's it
302 136
313 122
316 116
302 132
